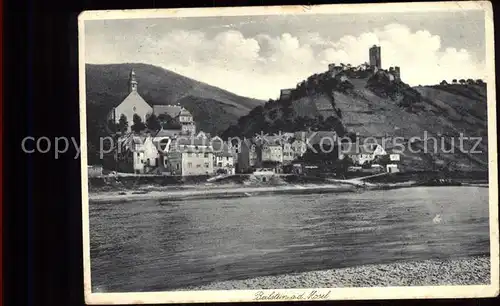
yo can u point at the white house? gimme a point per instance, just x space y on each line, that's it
361 154
223 157
288 153
136 154
190 156
180 114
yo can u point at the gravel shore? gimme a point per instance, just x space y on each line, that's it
207 193
467 271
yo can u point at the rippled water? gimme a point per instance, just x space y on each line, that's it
158 245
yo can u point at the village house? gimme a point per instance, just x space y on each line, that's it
270 152
136 154
361 154
190 156
247 156
234 147
182 116
132 105
288 153
223 157
203 135
394 161
299 148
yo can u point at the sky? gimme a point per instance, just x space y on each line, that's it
256 56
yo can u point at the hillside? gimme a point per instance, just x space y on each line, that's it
213 109
374 106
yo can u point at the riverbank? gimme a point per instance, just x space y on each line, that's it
134 183
217 192
434 272
211 191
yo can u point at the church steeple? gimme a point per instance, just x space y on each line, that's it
132 83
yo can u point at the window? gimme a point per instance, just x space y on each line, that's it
207 165
177 166
206 155
219 164
198 166
190 165
190 154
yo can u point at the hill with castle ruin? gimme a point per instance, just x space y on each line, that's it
370 102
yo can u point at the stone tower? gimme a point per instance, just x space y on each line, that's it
132 82
375 57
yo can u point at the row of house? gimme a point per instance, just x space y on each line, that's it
182 154
186 152
279 151
174 154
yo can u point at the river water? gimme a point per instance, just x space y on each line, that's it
155 245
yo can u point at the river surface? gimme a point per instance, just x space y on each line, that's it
157 245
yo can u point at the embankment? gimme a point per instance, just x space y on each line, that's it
218 192
435 272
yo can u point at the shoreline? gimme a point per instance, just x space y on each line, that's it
196 192
474 270
229 191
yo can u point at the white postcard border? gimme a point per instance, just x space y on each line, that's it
372 293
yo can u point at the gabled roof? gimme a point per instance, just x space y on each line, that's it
185 112
168 133
221 148
192 141
134 98
191 145
171 110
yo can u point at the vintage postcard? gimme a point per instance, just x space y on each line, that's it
289 153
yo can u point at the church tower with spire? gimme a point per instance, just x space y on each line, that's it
132 82
132 105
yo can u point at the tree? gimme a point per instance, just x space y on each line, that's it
443 82
138 125
167 122
112 127
454 81
382 160
344 164
479 82
123 124
461 81
153 123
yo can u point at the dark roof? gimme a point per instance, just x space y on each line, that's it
192 141
168 133
171 110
